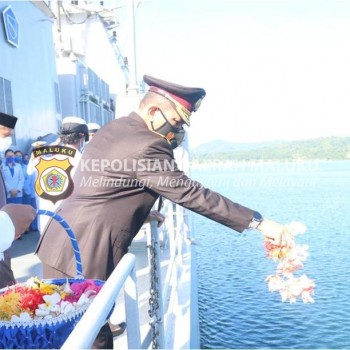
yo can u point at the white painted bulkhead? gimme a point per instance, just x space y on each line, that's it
40 80
30 71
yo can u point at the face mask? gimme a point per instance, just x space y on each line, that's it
25 161
5 143
18 159
10 160
180 135
173 135
175 138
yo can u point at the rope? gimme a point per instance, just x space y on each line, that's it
71 235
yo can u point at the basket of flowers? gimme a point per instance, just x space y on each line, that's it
40 314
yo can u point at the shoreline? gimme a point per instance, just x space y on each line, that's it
244 163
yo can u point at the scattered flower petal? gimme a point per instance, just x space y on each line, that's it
290 259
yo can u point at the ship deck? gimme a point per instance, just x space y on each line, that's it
25 263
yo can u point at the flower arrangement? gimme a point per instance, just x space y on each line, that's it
290 259
41 314
37 299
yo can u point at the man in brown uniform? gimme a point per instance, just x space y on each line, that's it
124 169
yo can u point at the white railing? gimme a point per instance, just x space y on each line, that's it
95 316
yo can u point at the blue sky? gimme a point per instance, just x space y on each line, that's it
272 69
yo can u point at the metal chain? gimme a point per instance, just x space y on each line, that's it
154 296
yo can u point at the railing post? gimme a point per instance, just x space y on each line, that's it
132 311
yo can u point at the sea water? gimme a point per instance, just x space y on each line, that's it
236 309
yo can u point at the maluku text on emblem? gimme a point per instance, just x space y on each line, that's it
54 181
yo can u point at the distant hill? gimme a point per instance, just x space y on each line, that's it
320 148
221 146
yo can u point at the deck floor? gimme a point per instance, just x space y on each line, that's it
24 263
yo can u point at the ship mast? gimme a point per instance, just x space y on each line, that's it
133 87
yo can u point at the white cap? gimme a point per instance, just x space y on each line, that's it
93 127
73 120
74 124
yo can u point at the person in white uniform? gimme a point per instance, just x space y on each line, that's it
93 128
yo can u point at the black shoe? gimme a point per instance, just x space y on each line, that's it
118 329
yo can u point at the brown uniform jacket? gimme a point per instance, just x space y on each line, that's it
123 170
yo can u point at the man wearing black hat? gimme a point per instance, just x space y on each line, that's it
107 209
14 218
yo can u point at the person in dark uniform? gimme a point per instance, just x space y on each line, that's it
125 168
14 218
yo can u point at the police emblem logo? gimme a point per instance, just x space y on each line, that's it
54 181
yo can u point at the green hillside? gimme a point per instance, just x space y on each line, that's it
327 148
